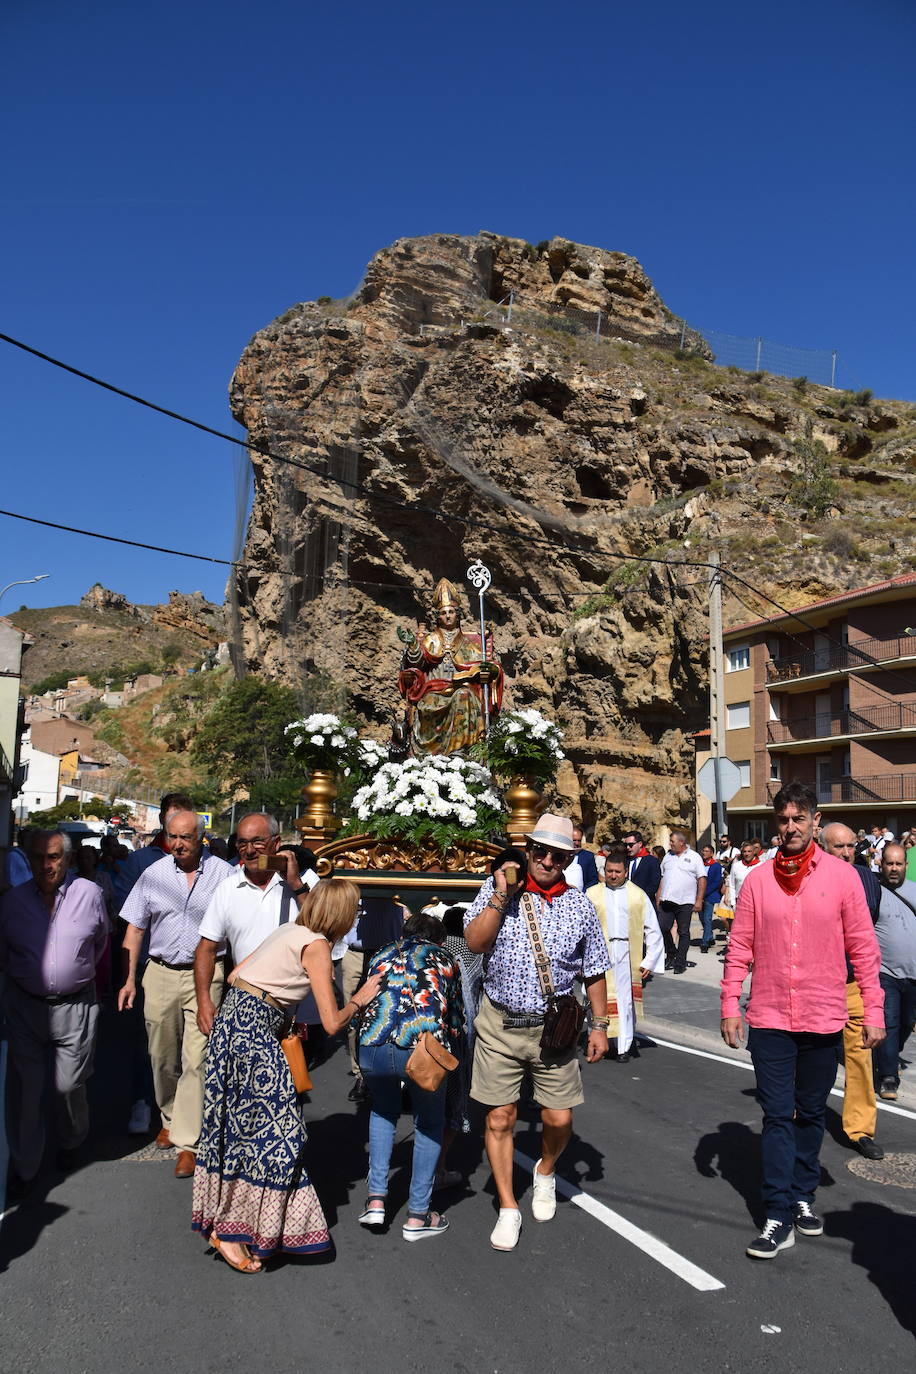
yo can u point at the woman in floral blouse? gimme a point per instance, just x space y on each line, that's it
420 991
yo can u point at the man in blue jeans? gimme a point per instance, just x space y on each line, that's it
797 918
712 895
896 932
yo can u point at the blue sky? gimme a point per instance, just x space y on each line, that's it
176 175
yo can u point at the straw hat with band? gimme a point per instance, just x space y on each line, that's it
554 831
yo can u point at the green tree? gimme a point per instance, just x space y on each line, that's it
241 742
71 810
813 490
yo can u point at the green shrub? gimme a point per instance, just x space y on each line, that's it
800 384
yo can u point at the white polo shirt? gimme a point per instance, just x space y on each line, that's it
679 877
242 915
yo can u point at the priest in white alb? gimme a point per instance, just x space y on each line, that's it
629 923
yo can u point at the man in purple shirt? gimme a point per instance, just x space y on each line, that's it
170 900
53 930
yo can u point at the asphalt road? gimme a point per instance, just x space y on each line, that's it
101 1270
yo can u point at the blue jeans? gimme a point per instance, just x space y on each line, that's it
795 1072
706 917
899 1017
383 1068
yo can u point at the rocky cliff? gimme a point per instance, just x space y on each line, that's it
539 407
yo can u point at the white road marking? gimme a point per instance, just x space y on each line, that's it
741 1064
650 1245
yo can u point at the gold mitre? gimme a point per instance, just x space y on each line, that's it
445 595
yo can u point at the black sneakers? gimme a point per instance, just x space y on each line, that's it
887 1090
867 1146
807 1221
775 1236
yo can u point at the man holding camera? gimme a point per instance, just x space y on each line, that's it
538 935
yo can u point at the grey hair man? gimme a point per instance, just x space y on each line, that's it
896 931
860 1107
255 899
680 898
169 900
53 931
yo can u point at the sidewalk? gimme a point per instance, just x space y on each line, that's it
685 1009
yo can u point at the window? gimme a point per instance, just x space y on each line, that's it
776 768
736 659
756 830
774 709
738 715
744 771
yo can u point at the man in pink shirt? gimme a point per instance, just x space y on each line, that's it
796 920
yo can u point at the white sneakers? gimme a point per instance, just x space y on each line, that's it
544 1195
504 1235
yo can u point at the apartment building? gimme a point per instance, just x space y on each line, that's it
831 702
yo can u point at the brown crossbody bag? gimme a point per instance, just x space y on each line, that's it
429 1060
564 1016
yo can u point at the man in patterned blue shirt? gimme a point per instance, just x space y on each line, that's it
510 1022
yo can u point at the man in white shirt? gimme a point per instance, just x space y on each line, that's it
247 906
680 898
628 920
726 852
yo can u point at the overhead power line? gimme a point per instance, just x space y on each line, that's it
252 445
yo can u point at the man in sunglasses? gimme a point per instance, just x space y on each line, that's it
510 1022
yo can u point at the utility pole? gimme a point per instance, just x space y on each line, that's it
716 684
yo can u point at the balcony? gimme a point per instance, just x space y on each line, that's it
847 791
868 720
835 660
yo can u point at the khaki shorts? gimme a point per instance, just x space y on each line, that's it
501 1058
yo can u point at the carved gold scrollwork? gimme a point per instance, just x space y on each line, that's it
393 855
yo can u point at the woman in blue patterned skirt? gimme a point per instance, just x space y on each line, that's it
252 1194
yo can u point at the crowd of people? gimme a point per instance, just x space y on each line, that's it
215 965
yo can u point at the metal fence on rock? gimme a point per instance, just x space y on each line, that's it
729 350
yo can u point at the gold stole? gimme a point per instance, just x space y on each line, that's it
636 910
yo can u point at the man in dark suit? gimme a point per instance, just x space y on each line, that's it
585 859
643 868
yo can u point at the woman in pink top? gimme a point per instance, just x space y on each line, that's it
252 1194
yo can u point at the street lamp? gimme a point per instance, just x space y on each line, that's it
22 582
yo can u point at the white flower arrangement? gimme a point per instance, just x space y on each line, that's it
321 740
441 796
524 742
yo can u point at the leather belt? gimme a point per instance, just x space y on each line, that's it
259 992
177 968
517 1020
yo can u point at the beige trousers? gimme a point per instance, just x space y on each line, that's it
860 1110
177 1050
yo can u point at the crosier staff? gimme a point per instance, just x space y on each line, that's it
479 577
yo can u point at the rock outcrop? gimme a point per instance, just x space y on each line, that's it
99 598
421 427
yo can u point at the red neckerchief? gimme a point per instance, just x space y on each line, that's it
791 868
755 860
548 893
641 855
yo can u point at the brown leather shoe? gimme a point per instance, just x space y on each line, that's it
184 1165
163 1142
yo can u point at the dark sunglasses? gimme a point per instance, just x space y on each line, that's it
560 857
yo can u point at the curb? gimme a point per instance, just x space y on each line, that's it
696 1038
